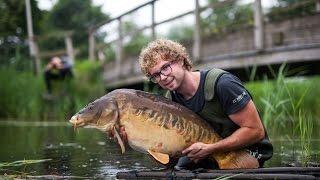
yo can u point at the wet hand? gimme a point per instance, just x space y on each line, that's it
197 151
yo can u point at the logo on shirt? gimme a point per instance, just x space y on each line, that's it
255 153
239 98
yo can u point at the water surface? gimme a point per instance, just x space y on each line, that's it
90 153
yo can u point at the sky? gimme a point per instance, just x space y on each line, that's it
164 10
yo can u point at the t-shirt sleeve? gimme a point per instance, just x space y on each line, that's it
231 93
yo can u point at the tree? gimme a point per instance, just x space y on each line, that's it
228 17
286 9
13 29
182 32
136 42
76 16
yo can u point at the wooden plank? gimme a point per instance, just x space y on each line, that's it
270 56
261 173
124 14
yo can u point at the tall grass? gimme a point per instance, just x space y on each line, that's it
22 93
288 107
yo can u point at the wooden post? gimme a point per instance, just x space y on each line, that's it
91 45
153 30
119 52
258 26
318 6
69 46
33 47
101 56
197 34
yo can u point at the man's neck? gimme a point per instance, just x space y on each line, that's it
189 85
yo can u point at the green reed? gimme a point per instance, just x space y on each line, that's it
288 108
23 94
22 162
305 128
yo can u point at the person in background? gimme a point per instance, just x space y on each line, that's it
57 69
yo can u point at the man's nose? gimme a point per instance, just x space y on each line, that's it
162 77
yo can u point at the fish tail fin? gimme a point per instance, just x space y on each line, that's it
236 160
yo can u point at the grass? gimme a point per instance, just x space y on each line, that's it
22 93
288 108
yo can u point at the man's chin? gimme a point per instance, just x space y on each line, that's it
171 87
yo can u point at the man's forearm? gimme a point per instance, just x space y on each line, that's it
241 138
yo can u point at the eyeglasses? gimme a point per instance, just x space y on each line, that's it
165 70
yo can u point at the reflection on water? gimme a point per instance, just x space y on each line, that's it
84 152
89 153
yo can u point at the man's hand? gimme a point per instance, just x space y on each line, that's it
198 151
122 134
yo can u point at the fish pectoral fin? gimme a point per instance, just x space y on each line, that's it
123 149
161 157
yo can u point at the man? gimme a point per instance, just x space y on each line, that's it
57 68
215 95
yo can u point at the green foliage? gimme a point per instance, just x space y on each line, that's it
110 53
289 108
286 9
134 46
13 27
23 96
135 43
88 84
181 33
20 95
280 100
12 18
73 15
219 20
227 18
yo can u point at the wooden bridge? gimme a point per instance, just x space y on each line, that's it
295 40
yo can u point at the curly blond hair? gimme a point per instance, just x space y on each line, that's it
163 49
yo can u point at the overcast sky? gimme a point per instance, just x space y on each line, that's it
164 9
117 7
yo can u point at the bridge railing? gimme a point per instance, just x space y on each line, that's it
256 35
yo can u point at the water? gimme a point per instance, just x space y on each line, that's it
84 152
90 153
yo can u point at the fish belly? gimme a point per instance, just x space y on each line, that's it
144 135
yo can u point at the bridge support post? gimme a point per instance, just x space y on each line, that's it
318 6
258 26
119 52
153 30
91 45
33 47
197 34
69 46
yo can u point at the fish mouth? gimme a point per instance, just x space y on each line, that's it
76 121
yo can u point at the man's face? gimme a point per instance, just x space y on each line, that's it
173 80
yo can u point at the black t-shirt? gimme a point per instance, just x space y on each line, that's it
229 90
232 96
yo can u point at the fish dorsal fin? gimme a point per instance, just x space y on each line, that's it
161 157
123 149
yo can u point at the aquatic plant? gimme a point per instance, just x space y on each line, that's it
285 109
22 162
